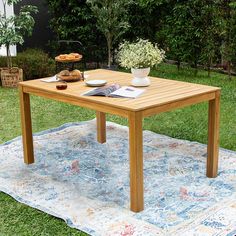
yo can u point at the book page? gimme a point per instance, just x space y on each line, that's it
103 91
127 92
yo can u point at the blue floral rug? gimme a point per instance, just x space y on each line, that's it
87 183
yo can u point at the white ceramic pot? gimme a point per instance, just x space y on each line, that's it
140 78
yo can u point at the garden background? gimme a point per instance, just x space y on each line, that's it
195 34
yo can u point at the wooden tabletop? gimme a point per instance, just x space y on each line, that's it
159 93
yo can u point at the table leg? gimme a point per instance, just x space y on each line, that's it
27 136
213 136
101 127
136 161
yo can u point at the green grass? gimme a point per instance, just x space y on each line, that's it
191 122
188 123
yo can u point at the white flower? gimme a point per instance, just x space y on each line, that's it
141 54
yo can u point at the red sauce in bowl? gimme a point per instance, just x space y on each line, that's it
61 86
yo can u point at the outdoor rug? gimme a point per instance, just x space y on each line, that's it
87 183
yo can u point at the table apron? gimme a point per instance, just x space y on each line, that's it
79 102
120 111
178 104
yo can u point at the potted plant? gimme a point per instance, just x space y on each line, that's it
139 57
12 30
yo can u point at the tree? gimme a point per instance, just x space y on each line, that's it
182 33
228 8
14 28
211 31
143 21
73 20
192 30
174 34
112 20
146 18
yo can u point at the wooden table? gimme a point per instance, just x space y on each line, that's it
162 95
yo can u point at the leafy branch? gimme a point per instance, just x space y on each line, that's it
14 28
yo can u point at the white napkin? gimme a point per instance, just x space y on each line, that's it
50 80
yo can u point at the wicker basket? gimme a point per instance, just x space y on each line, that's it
11 77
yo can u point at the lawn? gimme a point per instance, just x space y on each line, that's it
188 123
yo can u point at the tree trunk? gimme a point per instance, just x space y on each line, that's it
209 68
178 65
196 70
109 45
9 61
229 69
228 37
109 56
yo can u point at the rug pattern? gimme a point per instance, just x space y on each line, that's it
87 183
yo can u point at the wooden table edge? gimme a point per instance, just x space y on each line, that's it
188 101
120 110
82 102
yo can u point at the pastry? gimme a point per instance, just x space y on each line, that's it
70 57
64 73
76 55
76 73
62 56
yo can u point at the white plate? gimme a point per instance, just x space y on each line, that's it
95 83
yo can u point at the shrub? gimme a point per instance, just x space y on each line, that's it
35 64
3 61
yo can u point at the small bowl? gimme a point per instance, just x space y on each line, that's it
61 85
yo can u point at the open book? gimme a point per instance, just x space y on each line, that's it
50 80
115 90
